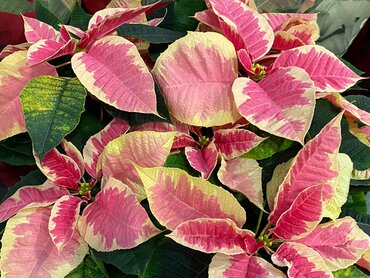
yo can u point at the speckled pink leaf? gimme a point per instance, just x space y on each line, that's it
215 236
60 169
318 156
199 93
95 145
14 75
305 213
175 197
115 220
257 36
203 160
36 30
302 261
28 251
242 266
72 152
340 243
272 104
232 143
277 19
327 72
107 20
147 149
350 109
31 196
129 88
63 220
245 176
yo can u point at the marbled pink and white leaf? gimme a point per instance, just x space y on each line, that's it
10 49
203 160
28 251
175 197
215 236
232 143
14 75
333 77
199 93
31 196
129 88
209 18
318 156
305 213
59 169
245 176
257 36
94 146
146 149
242 266
72 152
36 30
302 261
340 243
115 220
273 103
63 220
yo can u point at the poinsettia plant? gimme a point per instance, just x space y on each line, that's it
168 140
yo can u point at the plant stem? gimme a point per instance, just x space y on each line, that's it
62 65
259 222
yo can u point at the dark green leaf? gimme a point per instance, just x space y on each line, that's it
61 9
91 267
44 15
131 261
356 201
148 33
80 18
350 272
179 160
171 260
17 150
268 147
340 22
32 178
16 6
183 10
52 107
278 6
88 126
362 102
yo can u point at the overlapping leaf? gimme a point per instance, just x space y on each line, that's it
327 72
28 251
215 236
175 197
272 104
199 93
146 149
116 220
203 160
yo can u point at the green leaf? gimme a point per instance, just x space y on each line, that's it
17 150
171 260
362 102
350 272
178 160
340 22
91 267
268 147
61 9
356 201
148 33
88 126
363 220
32 178
16 6
278 6
52 107
45 15
80 18
183 10
131 261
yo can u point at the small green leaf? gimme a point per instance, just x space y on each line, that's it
171 260
16 6
17 150
356 201
91 267
350 272
45 15
269 147
52 107
80 18
148 33
183 10
178 160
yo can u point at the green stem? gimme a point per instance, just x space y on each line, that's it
259 222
